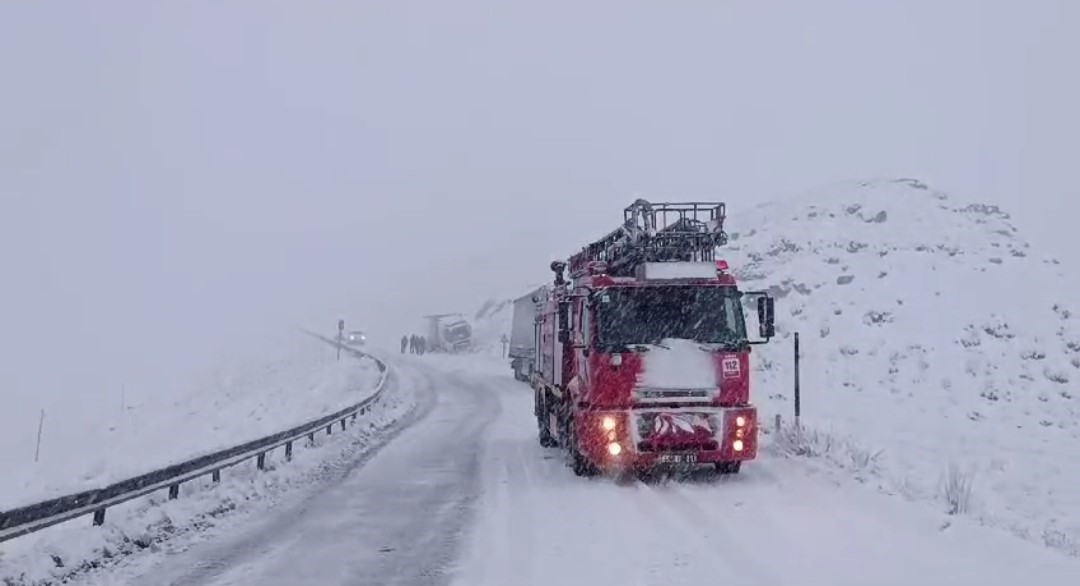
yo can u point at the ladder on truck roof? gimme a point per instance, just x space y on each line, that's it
656 232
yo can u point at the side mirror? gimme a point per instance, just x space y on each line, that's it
766 311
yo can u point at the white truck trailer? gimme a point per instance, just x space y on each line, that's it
523 332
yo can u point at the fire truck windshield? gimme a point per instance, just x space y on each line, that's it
647 315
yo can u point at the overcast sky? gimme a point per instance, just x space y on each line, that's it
178 179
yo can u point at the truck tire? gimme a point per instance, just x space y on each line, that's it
726 468
578 462
542 427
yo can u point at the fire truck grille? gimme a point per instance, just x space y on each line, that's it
647 395
646 426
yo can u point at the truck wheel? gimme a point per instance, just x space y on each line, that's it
726 468
578 462
542 427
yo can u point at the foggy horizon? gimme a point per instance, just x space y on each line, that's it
182 183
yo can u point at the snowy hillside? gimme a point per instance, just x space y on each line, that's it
932 332
493 320
92 441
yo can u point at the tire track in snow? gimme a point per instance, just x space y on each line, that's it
396 519
707 533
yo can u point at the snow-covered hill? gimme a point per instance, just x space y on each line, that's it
493 320
932 332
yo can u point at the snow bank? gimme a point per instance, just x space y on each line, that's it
931 331
153 526
88 442
677 364
494 319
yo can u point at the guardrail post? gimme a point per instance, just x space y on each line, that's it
354 417
330 429
288 451
260 461
342 425
311 438
174 492
99 517
215 476
798 401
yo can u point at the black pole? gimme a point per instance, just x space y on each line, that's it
798 406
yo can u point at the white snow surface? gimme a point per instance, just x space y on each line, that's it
466 496
90 442
779 522
677 364
139 534
932 337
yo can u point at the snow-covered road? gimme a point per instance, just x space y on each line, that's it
395 519
466 496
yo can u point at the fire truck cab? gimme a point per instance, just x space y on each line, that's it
642 356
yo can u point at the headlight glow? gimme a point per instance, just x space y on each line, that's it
740 421
614 449
738 445
608 423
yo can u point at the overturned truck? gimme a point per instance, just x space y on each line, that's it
448 332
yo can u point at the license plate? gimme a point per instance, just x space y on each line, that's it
677 458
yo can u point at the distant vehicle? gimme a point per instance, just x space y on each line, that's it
522 351
448 332
355 338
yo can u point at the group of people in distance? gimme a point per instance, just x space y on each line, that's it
415 344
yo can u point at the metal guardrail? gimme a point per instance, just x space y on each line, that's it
30 518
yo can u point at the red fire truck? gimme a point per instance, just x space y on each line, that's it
642 357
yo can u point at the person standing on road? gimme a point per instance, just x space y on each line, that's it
404 343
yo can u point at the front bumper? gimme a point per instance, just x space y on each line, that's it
730 437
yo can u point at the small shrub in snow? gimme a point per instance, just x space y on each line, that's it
877 317
845 279
956 489
1057 376
879 218
799 440
1033 355
999 330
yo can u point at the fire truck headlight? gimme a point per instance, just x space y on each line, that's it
614 449
738 445
740 421
616 359
608 423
